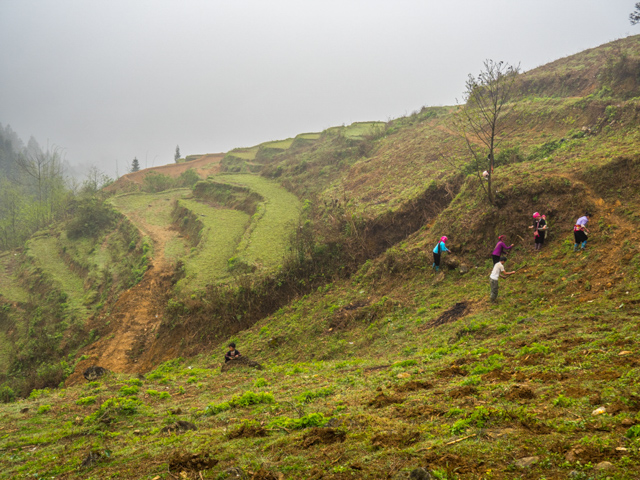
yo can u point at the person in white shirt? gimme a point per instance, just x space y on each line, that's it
497 272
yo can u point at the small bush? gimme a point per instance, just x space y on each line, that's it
633 432
114 406
245 400
86 401
562 401
44 409
36 393
308 421
128 391
261 382
91 217
161 395
7 395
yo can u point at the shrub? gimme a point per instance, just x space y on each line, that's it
44 409
128 391
561 401
86 400
7 395
633 432
189 178
260 382
114 406
157 182
161 395
245 400
91 217
310 420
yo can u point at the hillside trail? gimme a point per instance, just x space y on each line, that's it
128 332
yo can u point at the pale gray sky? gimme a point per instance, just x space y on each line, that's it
108 80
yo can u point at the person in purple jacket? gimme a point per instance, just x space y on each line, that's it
501 248
580 232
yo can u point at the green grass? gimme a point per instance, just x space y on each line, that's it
309 136
244 153
502 382
10 289
222 232
266 239
279 144
44 252
154 209
358 129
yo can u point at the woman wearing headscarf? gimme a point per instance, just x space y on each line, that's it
440 247
580 232
501 249
539 230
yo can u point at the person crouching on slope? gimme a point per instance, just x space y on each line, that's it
232 354
441 247
580 232
496 273
501 249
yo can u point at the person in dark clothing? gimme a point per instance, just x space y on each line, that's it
539 230
232 353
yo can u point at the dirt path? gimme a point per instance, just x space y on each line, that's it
128 333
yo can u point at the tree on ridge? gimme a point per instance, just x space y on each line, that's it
481 121
634 17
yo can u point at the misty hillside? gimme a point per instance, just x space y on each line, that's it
314 255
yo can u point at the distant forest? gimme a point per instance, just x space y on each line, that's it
34 188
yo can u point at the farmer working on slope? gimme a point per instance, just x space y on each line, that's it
501 249
496 273
580 232
441 247
539 229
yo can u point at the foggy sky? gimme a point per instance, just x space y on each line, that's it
110 80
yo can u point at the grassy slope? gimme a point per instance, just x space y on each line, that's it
222 231
44 253
514 380
272 223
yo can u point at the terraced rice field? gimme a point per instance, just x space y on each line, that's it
43 251
9 288
223 229
266 241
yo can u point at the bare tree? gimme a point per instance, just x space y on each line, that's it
45 169
481 119
95 180
634 17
